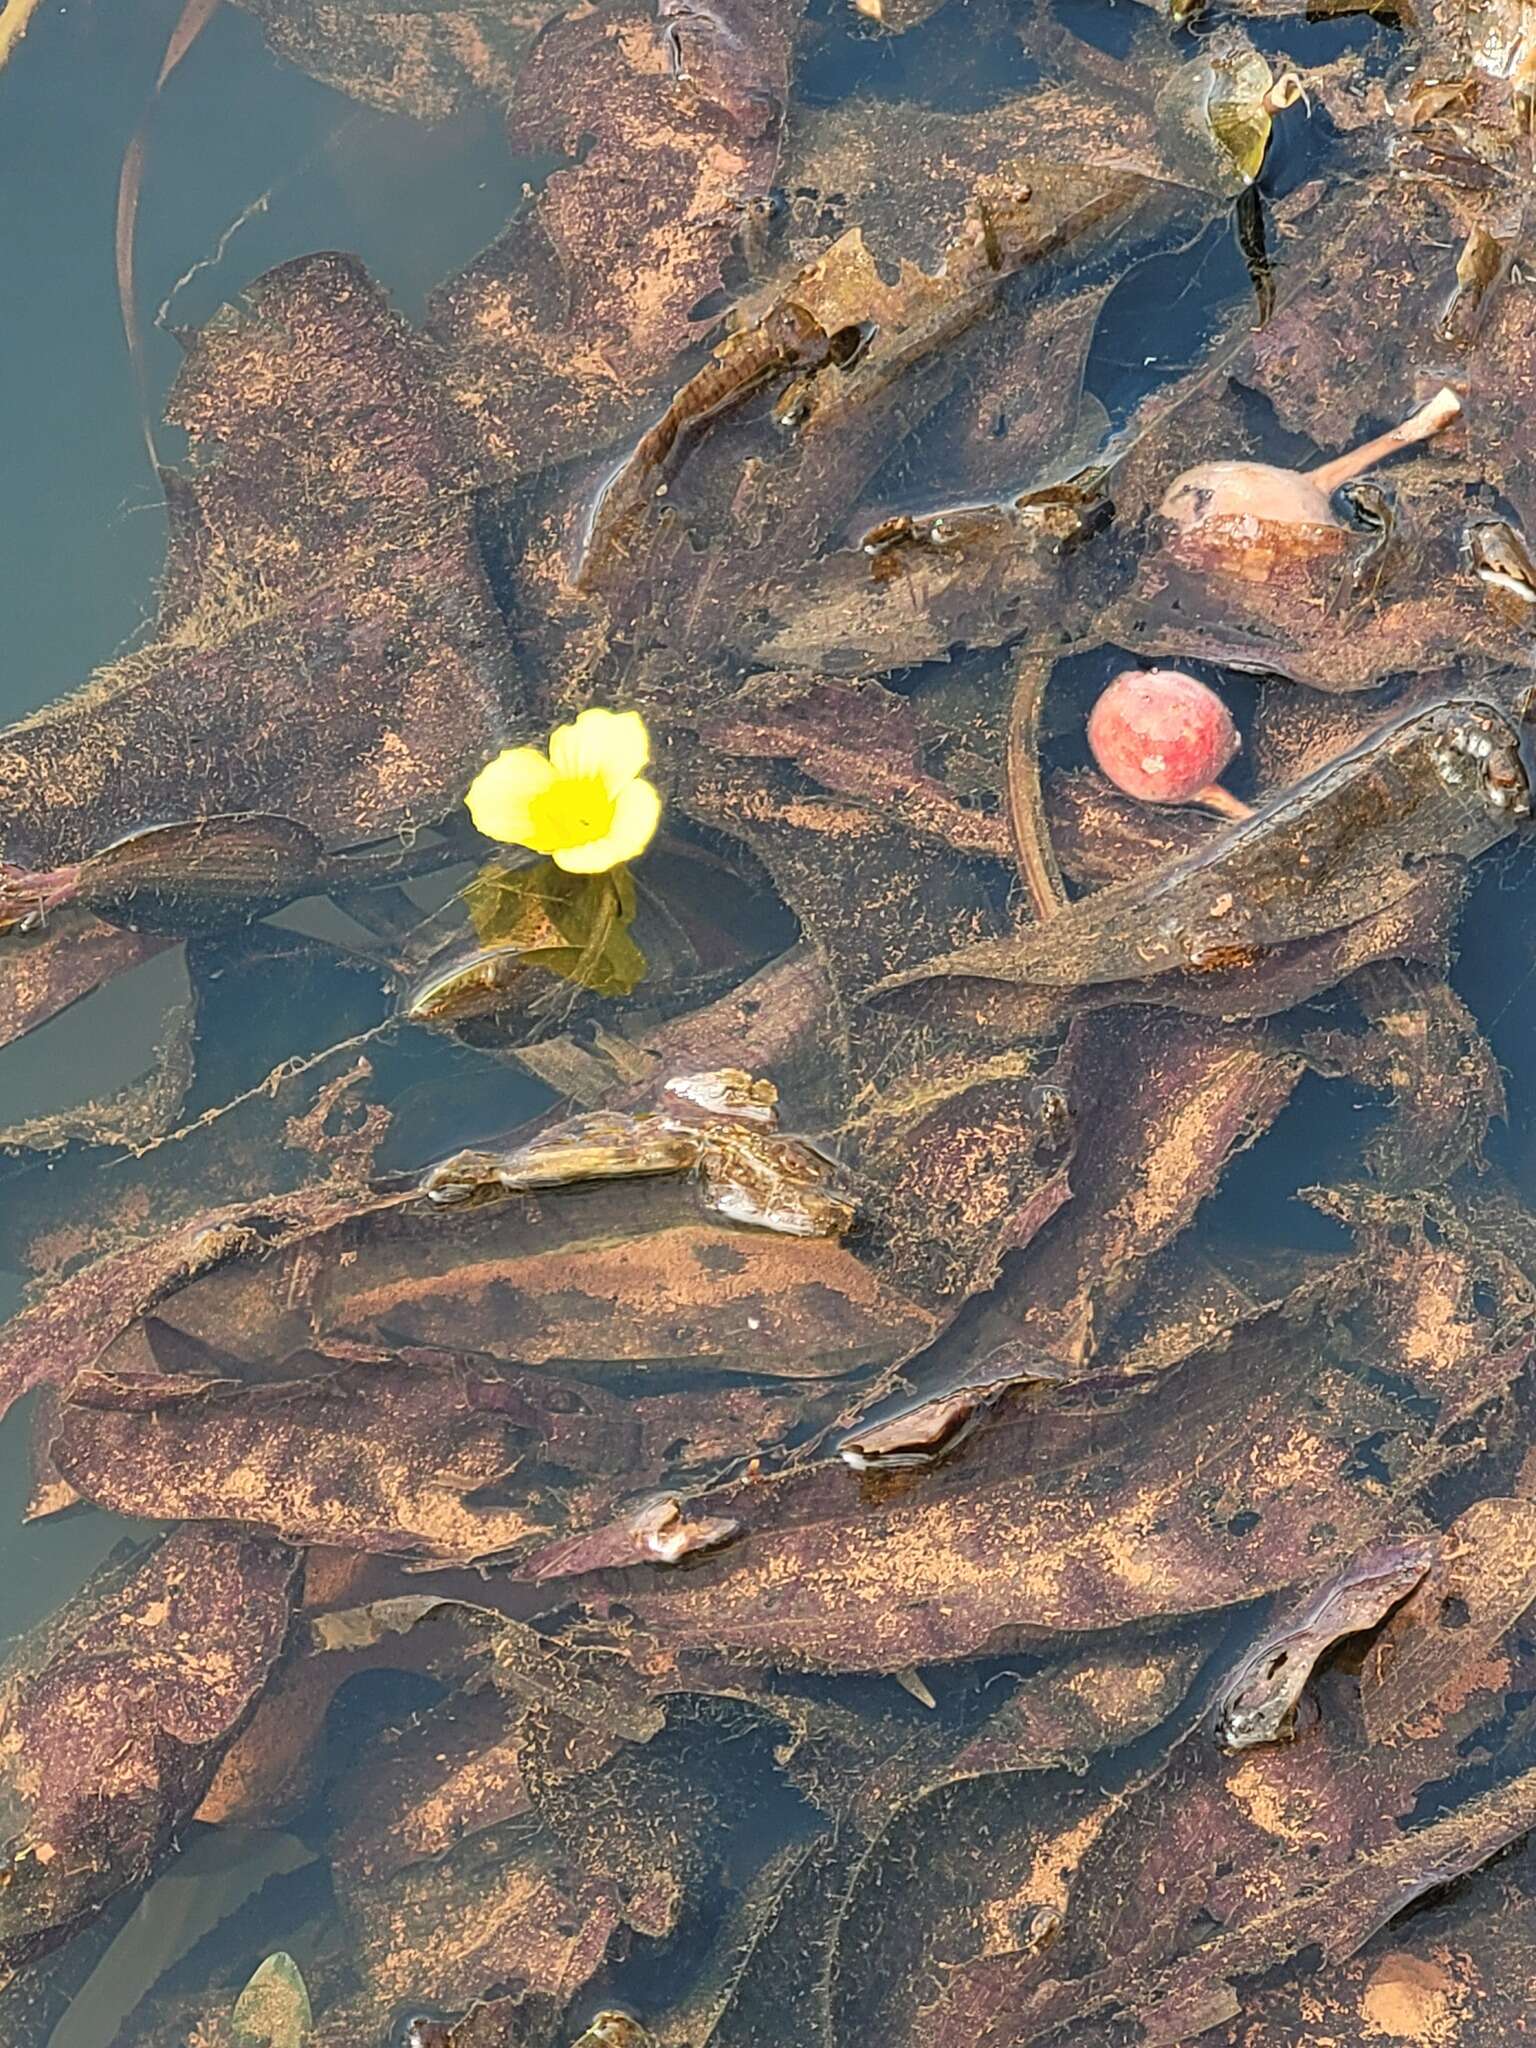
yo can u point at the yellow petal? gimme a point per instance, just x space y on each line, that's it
611 744
636 814
501 794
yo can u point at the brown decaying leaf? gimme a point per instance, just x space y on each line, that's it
1149 1889
1163 1106
48 1343
556 333
215 1403
1258 1702
496 1911
330 535
1483 1580
427 62
365 1458
1423 1048
1346 841
44 974
995 1543
963 1162
1455 1974
854 739
114 1715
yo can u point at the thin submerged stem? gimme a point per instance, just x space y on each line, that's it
1026 799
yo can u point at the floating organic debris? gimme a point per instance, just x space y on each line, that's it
719 1126
920 1436
1481 1580
1502 563
1042 1549
114 1715
1217 111
1258 524
216 870
658 1532
1259 1705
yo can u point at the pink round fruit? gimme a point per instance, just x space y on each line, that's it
1161 735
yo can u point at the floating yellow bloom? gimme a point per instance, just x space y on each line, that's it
585 802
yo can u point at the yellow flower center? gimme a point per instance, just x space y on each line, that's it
573 811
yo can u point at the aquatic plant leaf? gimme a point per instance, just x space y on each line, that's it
114 1715
1067 1512
1105 838
576 926
855 739
1377 1857
961 1897
500 1917
274 1764
1163 1106
1424 1049
965 1162
1436 1292
825 853
920 587
768 1022
51 1341
215 1403
33 2001
176 877
1218 106
273 2009
47 972
1345 617
607 1278
1452 1973
654 1819
1479 1585
1242 892
276 573
858 335
429 62
683 114
317 1460
413 1794
762 1983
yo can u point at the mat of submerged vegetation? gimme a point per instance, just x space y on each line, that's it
844 1531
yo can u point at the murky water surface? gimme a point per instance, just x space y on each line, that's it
896 1409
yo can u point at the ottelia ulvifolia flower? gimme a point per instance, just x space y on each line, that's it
586 802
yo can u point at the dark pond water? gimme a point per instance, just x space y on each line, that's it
465 1600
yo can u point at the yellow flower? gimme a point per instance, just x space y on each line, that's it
585 802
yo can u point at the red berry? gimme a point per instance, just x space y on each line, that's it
1160 735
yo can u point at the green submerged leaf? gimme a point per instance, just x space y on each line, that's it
575 926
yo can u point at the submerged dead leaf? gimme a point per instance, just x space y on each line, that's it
1479 1585
1072 1511
114 1715
558 332
330 435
